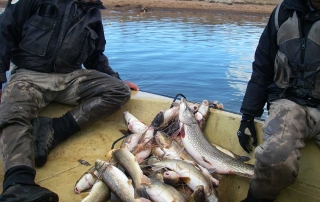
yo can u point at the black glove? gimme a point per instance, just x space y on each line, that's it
247 121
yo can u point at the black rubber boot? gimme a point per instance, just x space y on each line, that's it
251 198
43 133
28 193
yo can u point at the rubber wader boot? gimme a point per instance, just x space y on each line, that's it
43 134
251 198
28 193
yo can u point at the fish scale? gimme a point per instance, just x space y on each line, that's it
203 152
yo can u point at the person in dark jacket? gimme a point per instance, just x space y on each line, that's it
286 76
54 50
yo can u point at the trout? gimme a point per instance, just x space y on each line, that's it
117 181
171 148
164 118
129 163
99 192
134 125
202 114
161 192
86 181
198 195
202 151
188 173
171 177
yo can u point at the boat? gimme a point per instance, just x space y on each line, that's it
63 167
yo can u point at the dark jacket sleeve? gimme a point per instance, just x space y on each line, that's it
97 60
256 94
11 23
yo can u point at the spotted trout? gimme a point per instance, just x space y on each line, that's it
202 151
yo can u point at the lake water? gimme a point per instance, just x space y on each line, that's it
200 56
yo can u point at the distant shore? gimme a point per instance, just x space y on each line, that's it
254 7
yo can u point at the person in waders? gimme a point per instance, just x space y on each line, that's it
286 76
55 52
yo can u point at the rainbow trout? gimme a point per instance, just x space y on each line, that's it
202 151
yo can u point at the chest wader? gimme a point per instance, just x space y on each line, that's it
297 63
297 66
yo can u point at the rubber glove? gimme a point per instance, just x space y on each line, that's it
247 121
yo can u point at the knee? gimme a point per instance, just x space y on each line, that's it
278 160
118 93
271 176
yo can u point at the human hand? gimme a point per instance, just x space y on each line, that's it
247 121
132 86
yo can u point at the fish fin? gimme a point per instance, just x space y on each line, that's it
109 155
243 158
230 153
144 166
185 179
191 162
144 199
141 191
145 179
129 141
156 168
158 119
212 170
242 174
205 160
125 132
182 132
175 134
182 148
137 148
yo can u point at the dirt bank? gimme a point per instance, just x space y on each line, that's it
255 7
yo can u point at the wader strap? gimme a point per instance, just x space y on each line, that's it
304 67
276 17
304 84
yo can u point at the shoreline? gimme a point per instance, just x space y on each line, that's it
237 8
233 7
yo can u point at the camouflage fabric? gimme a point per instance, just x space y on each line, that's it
95 94
284 132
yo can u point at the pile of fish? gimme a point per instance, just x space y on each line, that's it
168 161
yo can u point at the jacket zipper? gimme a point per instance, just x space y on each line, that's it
65 24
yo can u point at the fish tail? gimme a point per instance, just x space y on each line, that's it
142 192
